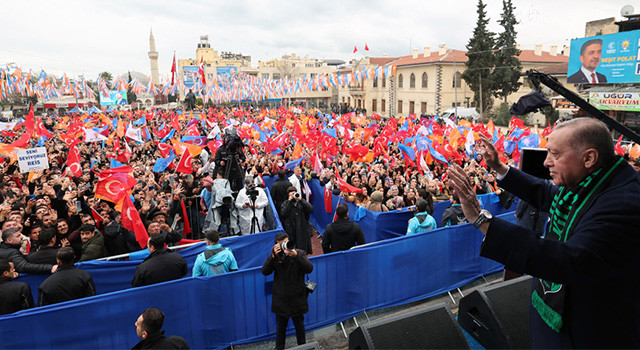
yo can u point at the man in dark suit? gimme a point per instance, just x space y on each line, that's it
590 55
588 263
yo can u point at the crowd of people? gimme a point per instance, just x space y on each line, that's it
54 217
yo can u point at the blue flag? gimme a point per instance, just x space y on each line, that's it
115 163
294 163
163 163
516 133
169 135
436 155
510 146
141 121
408 152
532 141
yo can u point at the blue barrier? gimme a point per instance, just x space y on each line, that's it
111 276
234 308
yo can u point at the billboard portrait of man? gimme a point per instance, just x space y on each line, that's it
590 55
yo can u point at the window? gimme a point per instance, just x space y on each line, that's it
453 104
457 77
265 75
412 81
276 76
425 80
399 106
400 80
384 82
423 107
374 105
412 107
359 105
384 105
375 82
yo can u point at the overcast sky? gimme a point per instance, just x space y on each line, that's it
88 37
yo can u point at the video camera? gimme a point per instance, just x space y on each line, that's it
252 192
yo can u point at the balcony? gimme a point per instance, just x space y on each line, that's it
356 90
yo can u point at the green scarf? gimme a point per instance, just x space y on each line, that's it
567 209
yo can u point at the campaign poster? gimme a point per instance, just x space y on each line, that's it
115 97
605 59
229 70
190 75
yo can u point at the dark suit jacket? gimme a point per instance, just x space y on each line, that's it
599 264
579 78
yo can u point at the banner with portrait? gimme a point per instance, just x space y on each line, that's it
189 75
115 97
602 59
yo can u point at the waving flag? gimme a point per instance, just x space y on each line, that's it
185 164
531 141
201 71
163 163
132 222
437 156
294 163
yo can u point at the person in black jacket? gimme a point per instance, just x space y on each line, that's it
279 190
47 251
161 266
453 215
14 296
149 329
295 220
10 249
68 283
342 234
289 292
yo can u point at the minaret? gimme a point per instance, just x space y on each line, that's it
153 57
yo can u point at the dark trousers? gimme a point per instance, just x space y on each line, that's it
281 332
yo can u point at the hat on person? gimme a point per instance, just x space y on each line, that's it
157 213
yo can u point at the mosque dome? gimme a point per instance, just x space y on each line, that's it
143 78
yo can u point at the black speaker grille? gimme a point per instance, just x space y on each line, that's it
431 329
511 306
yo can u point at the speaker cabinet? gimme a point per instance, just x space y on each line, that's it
497 316
431 327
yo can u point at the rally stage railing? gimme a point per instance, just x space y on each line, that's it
234 308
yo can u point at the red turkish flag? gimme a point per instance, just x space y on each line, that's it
185 164
618 147
114 183
327 199
41 130
131 221
366 48
73 162
355 49
165 149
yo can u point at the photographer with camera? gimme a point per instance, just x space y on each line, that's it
229 158
289 266
251 202
295 220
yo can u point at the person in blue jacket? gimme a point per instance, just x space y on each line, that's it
422 221
215 259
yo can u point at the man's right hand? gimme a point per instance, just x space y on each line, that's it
490 154
276 249
54 269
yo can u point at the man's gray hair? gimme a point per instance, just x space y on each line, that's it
590 133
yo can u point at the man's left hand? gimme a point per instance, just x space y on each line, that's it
292 253
462 187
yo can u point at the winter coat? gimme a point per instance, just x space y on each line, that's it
421 222
12 253
280 192
68 283
118 240
453 216
14 296
289 291
44 255
295 220
159 341
160 266
93 248
214 260
341 234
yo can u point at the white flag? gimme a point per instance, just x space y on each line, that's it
91 136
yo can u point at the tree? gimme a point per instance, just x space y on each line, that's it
481 61
506 75
107 76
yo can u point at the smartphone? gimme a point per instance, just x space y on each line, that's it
79 206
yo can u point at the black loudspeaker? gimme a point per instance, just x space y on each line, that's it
308 346
497 316
431 327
